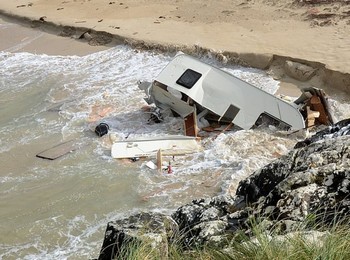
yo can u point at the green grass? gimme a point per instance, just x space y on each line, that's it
334 243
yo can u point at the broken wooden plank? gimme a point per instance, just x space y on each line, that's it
317 105
57 151
324 100
159 160
311 116
191 124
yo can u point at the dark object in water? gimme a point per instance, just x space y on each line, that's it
102 129
155 116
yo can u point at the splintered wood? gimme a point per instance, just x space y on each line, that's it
317 105
159 160
191 124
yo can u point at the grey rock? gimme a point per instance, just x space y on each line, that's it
196 219
341 128
153 228
310 180
210 232
316 238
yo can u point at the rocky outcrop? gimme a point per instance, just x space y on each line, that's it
205 220
339 129
155 228
311 182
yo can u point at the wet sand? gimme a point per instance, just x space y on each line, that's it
18 38
312 32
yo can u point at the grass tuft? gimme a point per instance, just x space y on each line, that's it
312 240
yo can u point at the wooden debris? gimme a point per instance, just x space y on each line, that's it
159 160
191 124
317 105
208 129
311 116
58 150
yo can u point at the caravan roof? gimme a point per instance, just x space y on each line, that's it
225 94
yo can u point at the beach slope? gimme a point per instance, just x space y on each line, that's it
304 29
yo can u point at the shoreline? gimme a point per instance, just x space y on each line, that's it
282 28
19 37
259 57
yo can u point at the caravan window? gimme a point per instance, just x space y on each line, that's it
189 78
267 119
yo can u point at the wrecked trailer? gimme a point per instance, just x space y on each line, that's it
193 90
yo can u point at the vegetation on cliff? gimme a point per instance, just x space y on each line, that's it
323 242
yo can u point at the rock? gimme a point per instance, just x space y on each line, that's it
86 35
212 233
339 129
42 18
237 220
153 228
311 180
310 184
200 219
299 71
316 238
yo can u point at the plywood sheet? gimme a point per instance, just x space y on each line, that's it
58 150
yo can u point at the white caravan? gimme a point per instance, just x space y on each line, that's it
188 86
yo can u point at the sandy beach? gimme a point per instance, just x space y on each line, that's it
298 29
19 38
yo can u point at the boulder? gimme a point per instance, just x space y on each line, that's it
310 180
339 129
299 71
202 219
152 228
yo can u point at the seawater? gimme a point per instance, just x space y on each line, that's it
59 209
